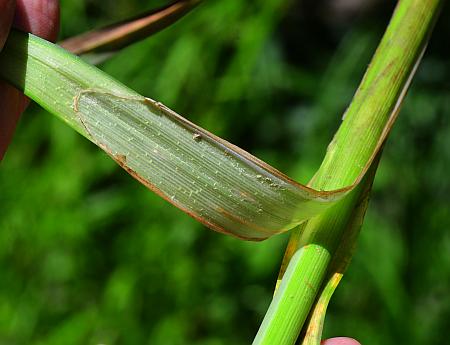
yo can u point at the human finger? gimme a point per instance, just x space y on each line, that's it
6 17
340 341
41 17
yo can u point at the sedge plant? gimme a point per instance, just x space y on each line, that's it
226 188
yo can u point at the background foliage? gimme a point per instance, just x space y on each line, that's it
88 255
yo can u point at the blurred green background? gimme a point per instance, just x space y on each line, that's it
89 256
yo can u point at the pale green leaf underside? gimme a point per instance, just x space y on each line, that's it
212 180
194 170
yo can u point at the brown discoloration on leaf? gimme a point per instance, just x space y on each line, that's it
311 287
121 160
247 196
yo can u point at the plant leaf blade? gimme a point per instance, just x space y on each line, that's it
116 36
224 187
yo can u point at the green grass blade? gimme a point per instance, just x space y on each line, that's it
370 114
116 36
214 181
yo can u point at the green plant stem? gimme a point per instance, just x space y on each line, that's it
341 259
379 95
303 278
